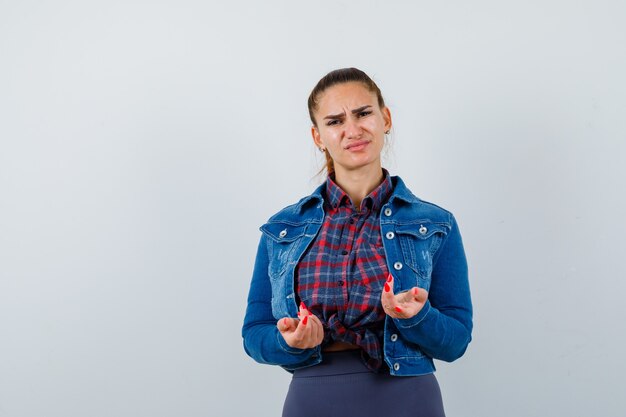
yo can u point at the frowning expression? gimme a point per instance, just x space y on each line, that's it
351 125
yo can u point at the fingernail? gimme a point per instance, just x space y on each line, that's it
414 291
387 287
303 306
285 321
304 320
398 309
389 277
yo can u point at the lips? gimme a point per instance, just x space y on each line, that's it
359 144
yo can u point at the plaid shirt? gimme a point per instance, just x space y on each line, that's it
341 275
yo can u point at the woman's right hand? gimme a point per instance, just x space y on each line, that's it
306 332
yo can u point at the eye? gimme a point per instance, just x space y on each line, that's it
365 113
332 122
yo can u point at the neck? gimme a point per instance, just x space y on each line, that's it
360 182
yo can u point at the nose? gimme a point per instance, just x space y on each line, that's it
352 128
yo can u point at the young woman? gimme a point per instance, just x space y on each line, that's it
360 285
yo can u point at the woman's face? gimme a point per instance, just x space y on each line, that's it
351 126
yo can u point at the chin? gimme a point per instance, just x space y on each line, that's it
354 165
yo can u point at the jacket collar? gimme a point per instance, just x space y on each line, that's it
400 191
336 196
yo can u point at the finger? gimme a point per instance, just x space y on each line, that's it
398 311
310 330
315 330
313 321
408 296
301 331
410 302
284 324
388 294
303 311
318 328
388 298
419 294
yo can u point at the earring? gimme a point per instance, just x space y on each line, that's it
387 132
322 149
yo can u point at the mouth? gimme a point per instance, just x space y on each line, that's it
357 146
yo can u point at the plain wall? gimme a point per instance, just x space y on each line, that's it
142 144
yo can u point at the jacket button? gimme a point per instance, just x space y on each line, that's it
283 233
423 230
397 266
390 235
394 337
396 366
387 212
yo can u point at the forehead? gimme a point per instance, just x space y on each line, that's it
346 95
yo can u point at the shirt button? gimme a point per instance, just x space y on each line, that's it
396 366
351 221
390 235
397 266
340 283
394 337
344 252
423 230
283 233
387 212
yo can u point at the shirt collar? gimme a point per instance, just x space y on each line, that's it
337 197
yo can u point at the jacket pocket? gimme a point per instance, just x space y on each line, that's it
282 239
419 242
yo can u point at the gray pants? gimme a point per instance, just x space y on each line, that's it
343 386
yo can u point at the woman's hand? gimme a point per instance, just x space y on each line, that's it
404 305
307 332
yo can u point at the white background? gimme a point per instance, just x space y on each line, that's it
142 144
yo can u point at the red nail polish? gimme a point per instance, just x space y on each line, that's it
387 287
414 291
304 320
303 306
389 278
398 309
285 321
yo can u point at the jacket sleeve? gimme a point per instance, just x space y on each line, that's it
261 339
443 327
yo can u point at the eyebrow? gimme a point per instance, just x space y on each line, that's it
355 111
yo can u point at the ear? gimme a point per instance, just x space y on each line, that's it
316 136
387 118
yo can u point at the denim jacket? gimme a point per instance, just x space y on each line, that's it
423 248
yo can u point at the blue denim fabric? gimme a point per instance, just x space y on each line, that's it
424 249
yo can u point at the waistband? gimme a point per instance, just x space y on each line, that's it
343 362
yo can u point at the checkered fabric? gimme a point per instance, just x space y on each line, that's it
341 275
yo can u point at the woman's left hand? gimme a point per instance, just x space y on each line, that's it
404 305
